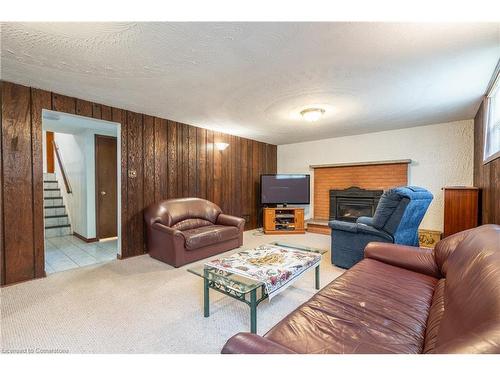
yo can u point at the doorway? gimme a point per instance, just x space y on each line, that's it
82 191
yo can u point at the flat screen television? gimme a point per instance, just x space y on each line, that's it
284 189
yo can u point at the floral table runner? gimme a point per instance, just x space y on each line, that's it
275 266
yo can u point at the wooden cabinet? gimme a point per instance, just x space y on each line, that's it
460 209
284 220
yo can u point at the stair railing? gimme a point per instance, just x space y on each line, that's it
61 167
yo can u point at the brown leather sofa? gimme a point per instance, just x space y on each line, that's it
181 231
400 299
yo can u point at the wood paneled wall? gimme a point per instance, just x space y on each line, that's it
170 160
486 176
377 176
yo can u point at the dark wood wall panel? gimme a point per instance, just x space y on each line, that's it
106 113
217 172
39 100
210 166
120 116
201 163
135 184
160 159
17 183
83 108
172 159
63 103
149 160
486 176
96 110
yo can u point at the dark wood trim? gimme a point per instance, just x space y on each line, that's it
88 240
49 152
381 162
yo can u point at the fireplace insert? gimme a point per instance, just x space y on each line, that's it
351 203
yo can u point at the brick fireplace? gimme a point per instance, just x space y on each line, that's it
380 175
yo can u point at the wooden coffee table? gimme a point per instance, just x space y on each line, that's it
241 288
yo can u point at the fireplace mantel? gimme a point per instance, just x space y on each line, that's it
357 164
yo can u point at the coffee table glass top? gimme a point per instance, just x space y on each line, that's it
238 283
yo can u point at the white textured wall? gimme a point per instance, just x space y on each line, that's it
72 151
441 154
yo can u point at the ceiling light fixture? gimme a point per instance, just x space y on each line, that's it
221 146
312 114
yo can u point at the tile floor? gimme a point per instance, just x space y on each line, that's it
67 252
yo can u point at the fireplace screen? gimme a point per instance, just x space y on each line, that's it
351 203
350 211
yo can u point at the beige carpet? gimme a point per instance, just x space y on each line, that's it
141 305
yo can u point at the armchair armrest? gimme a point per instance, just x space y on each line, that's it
408 257
359 228
231 221
365 220
250 343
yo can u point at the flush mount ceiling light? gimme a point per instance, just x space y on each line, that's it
221 146
312 114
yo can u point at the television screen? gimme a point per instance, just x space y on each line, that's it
284 188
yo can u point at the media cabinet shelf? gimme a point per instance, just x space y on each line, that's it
284 220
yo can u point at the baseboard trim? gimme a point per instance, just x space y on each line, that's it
88 240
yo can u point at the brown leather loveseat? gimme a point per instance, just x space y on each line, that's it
400 299
181 231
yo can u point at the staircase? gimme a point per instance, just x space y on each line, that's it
56 218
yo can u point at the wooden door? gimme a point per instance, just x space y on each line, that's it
106 186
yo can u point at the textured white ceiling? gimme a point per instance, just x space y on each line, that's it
252 79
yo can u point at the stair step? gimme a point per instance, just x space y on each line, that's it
54 216
59 226
50 181
52 189
54 206
52 198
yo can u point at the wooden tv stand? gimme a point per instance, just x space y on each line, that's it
284 220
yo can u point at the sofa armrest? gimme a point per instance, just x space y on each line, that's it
359 228
166 244
411 258
167 230
231 221
250 343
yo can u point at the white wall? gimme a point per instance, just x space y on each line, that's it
72 148
78 154
441 154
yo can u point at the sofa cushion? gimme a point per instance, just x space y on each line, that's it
191 224
208 235
374 307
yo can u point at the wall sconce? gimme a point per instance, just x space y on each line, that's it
221 146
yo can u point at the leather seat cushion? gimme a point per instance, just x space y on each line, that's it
208 235
374 307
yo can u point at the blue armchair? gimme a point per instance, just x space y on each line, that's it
396 220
